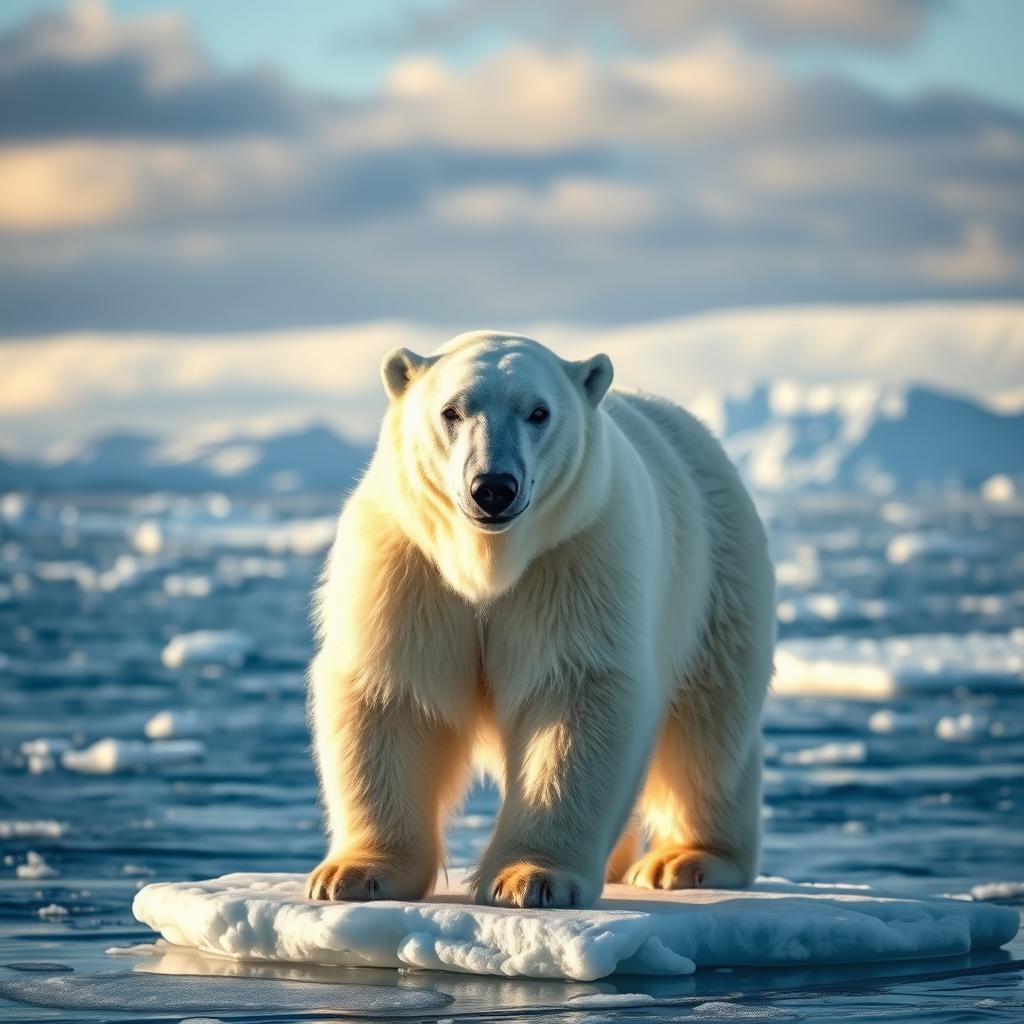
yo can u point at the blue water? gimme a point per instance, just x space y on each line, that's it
92 589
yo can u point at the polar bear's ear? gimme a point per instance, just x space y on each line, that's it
595 374
400 367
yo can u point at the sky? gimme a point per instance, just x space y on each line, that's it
199 174
253 165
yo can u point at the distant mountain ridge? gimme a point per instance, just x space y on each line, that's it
881 439
785 437
313 458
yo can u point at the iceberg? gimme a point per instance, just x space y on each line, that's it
265 917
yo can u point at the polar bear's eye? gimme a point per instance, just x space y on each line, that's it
539 415
450 414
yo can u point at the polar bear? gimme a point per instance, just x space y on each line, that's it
565 586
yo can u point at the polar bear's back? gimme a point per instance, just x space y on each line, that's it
682 455
711 528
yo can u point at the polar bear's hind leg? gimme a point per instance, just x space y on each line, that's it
701 801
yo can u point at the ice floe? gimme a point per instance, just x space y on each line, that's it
852 752
35 867
45 746
800 671
610 1000
998 891
187 585
871 668
206 647
909 547
886 721
167 724
31 829
265 917
110 755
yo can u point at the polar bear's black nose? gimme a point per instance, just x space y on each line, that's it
494 492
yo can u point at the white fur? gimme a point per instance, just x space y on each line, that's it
605 656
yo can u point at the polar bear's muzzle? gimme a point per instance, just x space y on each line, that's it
494 500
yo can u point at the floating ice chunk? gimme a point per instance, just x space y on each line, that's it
887 721
998 890
139 949
187 585
45 746
60 572
797 674
35 867
40 764
854 752
303 536
13 506
265 917
610 1000
53 910
207 646
235 569
962 727
148 537
136 870
110 755
165 724
47 828
801 572
909 547
825 607
875 669
998 488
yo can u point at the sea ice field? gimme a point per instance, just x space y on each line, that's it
152 730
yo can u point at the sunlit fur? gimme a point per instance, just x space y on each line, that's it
605 658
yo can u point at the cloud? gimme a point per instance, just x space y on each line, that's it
531 99
570 203
868 23
980 258
83 73
536 182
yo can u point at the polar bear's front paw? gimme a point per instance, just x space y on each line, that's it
528 884
354 876
676 866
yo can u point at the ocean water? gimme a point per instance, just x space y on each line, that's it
908 779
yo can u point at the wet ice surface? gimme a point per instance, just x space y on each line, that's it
911 784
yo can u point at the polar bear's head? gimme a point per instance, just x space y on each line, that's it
494 431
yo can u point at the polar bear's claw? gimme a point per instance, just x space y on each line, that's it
362 879
676 866
530 885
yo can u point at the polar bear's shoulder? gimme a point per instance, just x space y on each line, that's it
653 424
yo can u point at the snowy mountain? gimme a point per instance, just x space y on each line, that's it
785 436
882 439
310 459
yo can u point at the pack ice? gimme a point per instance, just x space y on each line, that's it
266 917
